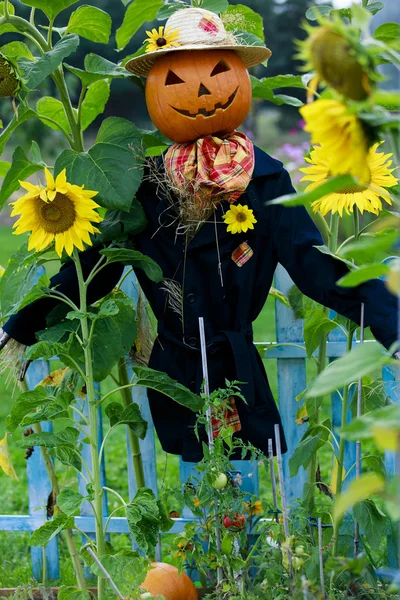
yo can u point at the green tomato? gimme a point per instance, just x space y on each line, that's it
297 562
226 544
299 550
220 481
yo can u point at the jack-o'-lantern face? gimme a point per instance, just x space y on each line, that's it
192 94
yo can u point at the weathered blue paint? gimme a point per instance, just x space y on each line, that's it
39 489
291 382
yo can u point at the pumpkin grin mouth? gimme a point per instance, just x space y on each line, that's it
205 112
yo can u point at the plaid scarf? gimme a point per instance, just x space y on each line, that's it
211 168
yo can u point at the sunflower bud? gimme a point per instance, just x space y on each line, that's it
333 57
9 81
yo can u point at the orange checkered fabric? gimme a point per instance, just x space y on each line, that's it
211 168
231 418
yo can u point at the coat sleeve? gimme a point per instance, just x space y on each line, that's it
23 326
316 274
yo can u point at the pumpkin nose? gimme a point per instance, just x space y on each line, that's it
203 91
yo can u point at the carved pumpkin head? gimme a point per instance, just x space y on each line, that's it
193 94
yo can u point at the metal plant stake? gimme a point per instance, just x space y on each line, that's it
210 431
283 494
273 480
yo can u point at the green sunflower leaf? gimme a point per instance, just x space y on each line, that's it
95 102
135 259
137 14
91 23
21 168
243 18
53 109
50 7
363 274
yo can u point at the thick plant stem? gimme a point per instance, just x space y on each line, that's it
55 486
93 425
339 477
126 394
332 232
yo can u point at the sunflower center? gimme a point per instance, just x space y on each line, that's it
352 189
57 216
161 42
241 217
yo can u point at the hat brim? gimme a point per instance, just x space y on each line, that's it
250 55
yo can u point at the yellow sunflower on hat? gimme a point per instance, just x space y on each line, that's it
161 39
60 212
365 197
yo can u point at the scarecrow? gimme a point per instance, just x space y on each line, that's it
215 234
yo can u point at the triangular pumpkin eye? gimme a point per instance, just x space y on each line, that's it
221 67
173 78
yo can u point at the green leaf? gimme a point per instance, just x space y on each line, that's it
36 72
363 360
17 280
138 13
300 304
113 166
53 109
143 517
280 296
23 405
91 23
305 198
69 501
361 17
39 290
243 18
21 168
321 10
35 152
113 337
304 453
315 327
72 593
24 113
387 33
4 167
7 28
160 382
69 457
363 428
56 408
328 252
375 7
50 7
15 50
365 486
130 416
95 102
135 259
368 246
43 535
363 274
67 437
168 10
216 6
96 68
118 224
372 521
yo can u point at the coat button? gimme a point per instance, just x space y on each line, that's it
191 298
193 342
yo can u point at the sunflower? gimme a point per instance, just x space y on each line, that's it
239 218
253 509
336 56
161 39
341 133
365 197
61 211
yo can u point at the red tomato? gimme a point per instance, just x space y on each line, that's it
235 522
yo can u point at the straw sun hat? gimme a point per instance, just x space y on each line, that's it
195 29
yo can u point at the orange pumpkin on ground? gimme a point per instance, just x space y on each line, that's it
165 580
194 94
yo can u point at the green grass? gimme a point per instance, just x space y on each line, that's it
15 566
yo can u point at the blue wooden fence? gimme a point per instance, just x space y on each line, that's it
291 365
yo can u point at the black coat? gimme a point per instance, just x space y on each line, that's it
281 234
